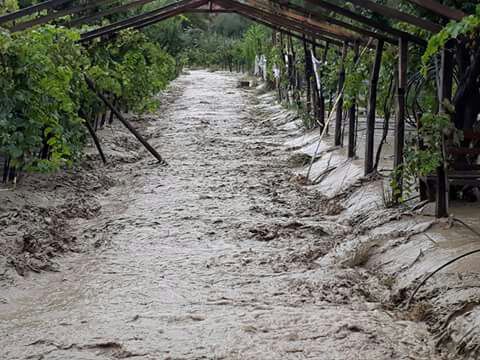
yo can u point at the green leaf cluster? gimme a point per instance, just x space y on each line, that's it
44 97
41 82
356 83
132 68
422 160
469 27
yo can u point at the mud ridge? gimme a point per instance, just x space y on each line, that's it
400 246
41 216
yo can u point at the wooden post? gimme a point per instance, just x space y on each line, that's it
95 140
352 115
321 90
110 120
372 107
399 140
308 75
120 117
446 82
291 68
339 109
315 87
103 119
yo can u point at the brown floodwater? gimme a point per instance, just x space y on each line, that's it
212 257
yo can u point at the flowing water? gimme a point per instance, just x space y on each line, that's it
212 257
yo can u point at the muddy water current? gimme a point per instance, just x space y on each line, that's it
212 257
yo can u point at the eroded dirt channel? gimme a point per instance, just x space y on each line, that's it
213 257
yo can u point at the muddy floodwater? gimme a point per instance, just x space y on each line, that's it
214 257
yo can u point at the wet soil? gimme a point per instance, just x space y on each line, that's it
224 254
39 215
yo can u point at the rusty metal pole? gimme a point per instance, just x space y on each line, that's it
120 117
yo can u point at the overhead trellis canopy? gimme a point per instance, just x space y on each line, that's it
321 20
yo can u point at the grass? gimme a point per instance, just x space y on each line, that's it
387 197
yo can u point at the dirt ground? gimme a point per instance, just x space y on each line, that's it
226 253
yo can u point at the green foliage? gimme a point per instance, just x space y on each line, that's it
132 68
169 34
44 98
468 26
225 44
387 72
329 72
8 6
209 49
196 40
274 58
422 161
40 75
356 84
230 25
253 43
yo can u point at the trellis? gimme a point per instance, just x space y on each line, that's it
321 23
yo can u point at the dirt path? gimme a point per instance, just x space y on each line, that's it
210 258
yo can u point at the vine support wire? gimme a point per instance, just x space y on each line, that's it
425 279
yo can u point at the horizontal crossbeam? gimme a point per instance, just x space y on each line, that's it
145 18
365 20
294 32
392 13
321 24
440 9
318 16
51 4
57 14
108 12
307 27
152 17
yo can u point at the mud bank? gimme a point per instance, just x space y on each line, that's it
227 253
400 246
41 216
